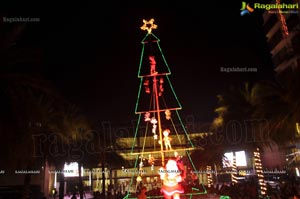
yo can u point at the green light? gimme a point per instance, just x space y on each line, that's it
138 96
136 131
188 154
131 181
162 54
224 197
171 86
184 128
141 61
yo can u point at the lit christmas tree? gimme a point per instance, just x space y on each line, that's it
164 148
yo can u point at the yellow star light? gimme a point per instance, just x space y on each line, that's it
148 25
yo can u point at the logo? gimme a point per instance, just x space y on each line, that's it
246 9
270 8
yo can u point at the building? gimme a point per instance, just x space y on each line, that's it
283 37
282 29
118 179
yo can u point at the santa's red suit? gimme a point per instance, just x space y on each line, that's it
171 178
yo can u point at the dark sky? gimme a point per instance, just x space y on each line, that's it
92 50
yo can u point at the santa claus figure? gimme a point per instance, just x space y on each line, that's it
171 178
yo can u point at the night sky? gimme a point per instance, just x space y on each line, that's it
91 51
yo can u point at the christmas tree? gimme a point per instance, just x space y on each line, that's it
161 145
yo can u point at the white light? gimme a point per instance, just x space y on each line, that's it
90 179
71 170
240 158
55 179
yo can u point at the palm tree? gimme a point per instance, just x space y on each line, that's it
234 128
280 107
257 115
73 129
235 110
108 151
23 110
32 111
20 106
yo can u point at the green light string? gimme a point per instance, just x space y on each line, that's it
148 35
189 194
176 131
158 40
138 95
173 91
126 196
136 131
145 139
165 104
188 154
145 38
188 137
141 61
162 54
136 160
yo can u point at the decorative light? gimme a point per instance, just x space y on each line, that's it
141 164
282 19
176 154
147 117
151 161
171 177
259 173
153 120
209 176
146 84
234 170
152 65
139 179
168 114
154 126
161 88
148 25
167 139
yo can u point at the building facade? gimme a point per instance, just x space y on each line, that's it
282 29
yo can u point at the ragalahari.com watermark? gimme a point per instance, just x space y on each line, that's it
237 69
20 19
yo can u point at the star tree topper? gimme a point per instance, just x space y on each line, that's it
148 25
